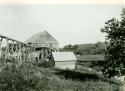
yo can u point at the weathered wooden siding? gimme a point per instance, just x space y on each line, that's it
65 64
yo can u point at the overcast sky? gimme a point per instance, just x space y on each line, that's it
69 24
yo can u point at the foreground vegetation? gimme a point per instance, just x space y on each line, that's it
115 53
28 77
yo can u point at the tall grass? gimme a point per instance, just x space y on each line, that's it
28 77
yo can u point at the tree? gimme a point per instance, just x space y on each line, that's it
68 46
98 44
115 53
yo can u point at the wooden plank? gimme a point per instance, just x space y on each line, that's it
2 36
20 58
0 47
16 47
22 52
0 42
12 47
7 49
20 47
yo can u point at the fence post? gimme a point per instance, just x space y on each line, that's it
7 49
0 47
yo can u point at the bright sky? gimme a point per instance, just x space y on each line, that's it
69 24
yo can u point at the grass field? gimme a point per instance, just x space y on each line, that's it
91 58
91 61
31 78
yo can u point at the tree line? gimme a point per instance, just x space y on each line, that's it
91 49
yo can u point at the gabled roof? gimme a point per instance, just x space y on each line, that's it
42 37
63 56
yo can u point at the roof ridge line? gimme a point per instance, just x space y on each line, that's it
51 36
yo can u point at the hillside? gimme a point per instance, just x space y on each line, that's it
86 49
85 46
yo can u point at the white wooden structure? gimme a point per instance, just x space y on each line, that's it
64 60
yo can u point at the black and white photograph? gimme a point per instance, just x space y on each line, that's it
59 45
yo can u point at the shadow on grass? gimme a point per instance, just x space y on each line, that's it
74 75
79 76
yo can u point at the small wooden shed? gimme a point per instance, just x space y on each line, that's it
64 60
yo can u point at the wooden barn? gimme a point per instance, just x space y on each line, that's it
43 40
44 45
64 60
